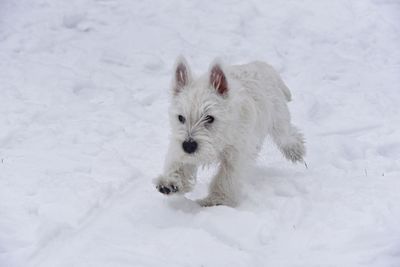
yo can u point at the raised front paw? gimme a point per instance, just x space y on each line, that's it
167 189
168 185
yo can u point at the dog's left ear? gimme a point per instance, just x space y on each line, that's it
182 75
218 79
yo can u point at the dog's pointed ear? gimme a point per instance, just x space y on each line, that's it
218 79
182 75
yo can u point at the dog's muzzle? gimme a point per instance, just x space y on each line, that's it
189 146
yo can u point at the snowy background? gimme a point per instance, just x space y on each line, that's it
84 90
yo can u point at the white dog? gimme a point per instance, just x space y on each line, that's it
223 117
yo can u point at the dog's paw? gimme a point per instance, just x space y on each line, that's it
211 200
295 152
168 185
166 190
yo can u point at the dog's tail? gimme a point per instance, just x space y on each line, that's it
285 90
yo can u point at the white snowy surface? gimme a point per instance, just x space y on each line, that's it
84 90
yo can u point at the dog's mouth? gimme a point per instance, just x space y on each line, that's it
202 154
195 157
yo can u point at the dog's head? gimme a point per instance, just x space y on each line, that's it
199 114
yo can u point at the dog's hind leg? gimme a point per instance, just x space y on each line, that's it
286 136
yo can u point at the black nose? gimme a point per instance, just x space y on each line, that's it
189 146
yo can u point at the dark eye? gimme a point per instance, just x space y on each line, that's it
181 119
209 119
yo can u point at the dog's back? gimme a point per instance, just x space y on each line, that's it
260 72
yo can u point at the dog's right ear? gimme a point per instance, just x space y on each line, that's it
218 79
182 75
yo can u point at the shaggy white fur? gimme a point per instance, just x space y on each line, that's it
223 117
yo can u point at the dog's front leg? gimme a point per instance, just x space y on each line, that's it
224 186
178 177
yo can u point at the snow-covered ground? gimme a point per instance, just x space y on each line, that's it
84 89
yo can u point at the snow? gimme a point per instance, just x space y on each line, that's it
84 90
